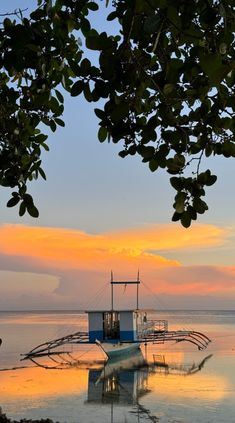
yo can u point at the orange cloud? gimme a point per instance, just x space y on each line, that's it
81 262
197 279
64 248
170 237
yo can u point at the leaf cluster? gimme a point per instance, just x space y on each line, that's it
169 82
166 79
37 55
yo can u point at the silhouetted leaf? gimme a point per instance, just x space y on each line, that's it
77 88
22 208
102 134
13 201
185 219
33 211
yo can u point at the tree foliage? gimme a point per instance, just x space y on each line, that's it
166 78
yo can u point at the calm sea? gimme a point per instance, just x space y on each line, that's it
186 385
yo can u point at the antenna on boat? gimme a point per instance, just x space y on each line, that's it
137 282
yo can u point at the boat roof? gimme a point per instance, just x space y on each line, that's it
135 310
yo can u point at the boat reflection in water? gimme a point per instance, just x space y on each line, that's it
123 387
125 382
120 381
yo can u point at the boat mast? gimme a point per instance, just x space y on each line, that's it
111 291
137 282
137 290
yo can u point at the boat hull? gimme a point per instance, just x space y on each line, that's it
120 349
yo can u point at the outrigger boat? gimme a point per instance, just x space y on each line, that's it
120 333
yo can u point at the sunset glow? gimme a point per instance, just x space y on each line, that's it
184 387
42 383
55 243
111 309
73 262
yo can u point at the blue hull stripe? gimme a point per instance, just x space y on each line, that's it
124 336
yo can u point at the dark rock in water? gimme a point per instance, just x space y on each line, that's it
5 419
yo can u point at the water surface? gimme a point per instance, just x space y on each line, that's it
188 386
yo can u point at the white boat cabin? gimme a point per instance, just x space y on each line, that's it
119 326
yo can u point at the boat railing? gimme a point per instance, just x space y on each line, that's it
152 326
160 325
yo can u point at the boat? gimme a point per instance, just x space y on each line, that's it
118 350
120 333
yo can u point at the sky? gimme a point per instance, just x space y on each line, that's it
99 213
